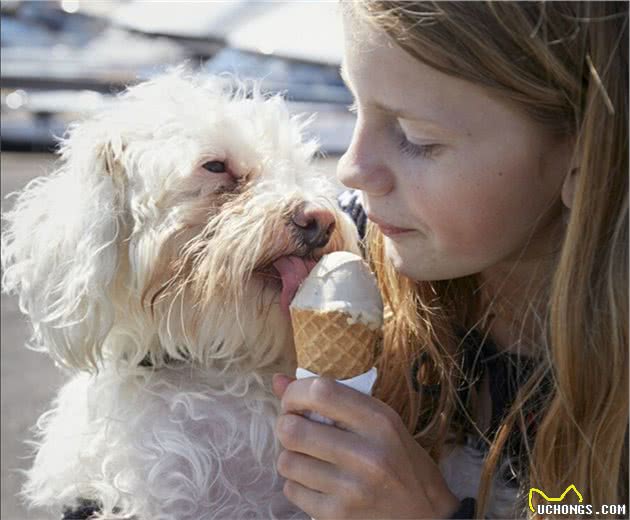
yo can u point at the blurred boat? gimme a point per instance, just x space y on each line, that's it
202 26
295 48
58 66
44 46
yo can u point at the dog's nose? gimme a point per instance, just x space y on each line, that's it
315 224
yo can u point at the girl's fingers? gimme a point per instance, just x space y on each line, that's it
321 441
312 473
349 408
310 501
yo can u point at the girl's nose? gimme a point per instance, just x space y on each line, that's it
362 167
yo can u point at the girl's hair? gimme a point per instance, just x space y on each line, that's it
565 65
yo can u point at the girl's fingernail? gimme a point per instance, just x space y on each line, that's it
279 383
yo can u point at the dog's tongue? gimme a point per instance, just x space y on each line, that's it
293 270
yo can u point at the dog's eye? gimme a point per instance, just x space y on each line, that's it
214 166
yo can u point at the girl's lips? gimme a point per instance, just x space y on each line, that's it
391 230
388 229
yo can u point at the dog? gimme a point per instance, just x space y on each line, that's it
155 267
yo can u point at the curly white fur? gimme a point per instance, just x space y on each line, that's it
131 252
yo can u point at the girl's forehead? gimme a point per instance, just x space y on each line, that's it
371 57
363 36
382 75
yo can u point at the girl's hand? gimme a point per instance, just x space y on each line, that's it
367 465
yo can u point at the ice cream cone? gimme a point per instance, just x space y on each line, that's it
332 344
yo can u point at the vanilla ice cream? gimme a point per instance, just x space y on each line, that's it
342 281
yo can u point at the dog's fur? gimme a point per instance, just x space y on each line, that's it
143 275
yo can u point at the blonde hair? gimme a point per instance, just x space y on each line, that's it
565 65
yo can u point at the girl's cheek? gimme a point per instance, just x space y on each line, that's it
462 223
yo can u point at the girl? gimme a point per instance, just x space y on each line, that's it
490 155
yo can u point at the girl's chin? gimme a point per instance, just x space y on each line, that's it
408 262
397 256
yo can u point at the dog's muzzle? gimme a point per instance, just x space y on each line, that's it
314 224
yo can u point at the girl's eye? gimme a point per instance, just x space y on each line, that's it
353 108
215 166
417 150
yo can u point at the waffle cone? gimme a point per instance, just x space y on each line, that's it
328 345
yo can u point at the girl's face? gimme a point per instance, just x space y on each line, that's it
464 174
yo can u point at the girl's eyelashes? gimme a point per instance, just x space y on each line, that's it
416 150
406 146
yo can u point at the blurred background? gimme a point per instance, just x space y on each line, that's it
62 59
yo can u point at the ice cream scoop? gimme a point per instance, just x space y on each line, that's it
342 281
337 315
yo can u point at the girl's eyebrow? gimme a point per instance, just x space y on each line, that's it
400 114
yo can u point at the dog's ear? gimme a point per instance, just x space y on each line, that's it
60 247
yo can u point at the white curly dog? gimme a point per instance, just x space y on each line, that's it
156 266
